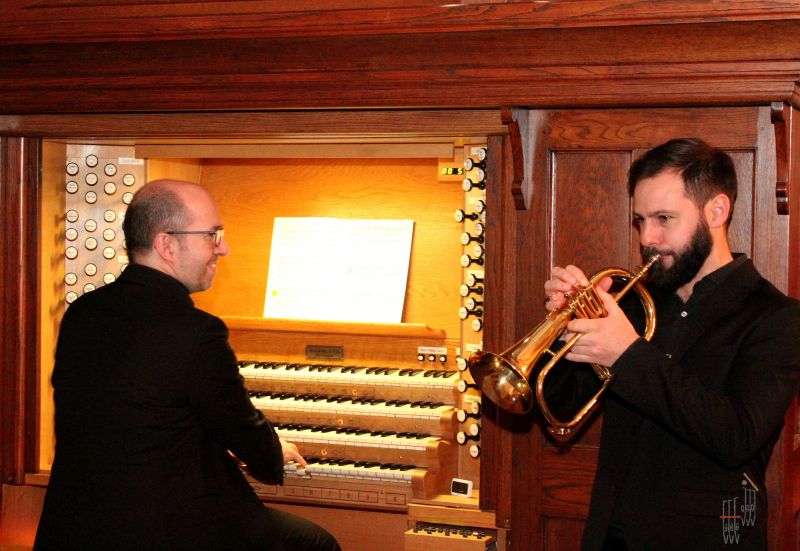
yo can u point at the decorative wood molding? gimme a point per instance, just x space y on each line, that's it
521 188
751 63
781 115
53 21
320 126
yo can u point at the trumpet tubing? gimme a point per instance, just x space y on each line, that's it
505 378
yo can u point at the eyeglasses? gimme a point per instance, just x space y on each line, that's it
216 234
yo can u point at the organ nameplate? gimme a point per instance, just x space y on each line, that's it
316 352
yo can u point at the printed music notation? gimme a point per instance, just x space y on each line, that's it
338 270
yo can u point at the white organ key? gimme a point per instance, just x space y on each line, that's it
337 374
323 405
362 440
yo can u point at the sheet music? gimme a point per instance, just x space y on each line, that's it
338 269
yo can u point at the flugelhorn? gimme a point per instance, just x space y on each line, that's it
505 378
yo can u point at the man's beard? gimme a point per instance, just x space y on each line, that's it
686 263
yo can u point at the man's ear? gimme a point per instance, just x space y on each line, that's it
164 245
718 210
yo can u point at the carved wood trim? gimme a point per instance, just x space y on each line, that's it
781 115
521 188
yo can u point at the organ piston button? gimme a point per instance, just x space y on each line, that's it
460 216
110 188
466 238
473 280
109 216
465 290
91 197
469 185
109 234
474 451
463 385
90 269
89 287
129 179
72 186
472 304
127 198
70 279
72 215
463 415
91 178
109 253
71 297
470 164
91 161
462 437
461 363
477 324
72 169
90 243
479 206
110 169
109 278
464 313
71 253
467 260
71 234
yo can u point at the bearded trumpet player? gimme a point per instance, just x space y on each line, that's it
691 416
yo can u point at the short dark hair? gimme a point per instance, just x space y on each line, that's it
154 209
706 170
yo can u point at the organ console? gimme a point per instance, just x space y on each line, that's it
385 422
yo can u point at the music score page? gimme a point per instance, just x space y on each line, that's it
334 269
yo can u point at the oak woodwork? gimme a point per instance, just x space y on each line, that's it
360 71
35 22
669 64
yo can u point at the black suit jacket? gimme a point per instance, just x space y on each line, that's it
689 424
148 402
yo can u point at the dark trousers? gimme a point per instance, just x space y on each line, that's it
282 531
614 543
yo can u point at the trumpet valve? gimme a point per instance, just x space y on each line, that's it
585 303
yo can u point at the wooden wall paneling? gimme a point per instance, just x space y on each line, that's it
51 286
590 152
190 170
790 518
543 67
306 126
515 244
373 529
251 193
32 22
21 509
19 187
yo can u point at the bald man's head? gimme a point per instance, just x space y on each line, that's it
157 207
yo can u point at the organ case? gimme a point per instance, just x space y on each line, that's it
373 406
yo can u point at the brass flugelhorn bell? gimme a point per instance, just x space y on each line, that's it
505 378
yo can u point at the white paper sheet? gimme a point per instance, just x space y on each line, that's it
338 269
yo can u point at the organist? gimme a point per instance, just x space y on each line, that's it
149 403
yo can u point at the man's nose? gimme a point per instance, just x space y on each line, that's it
222 248
648 234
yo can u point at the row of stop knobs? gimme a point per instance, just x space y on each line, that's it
472 291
